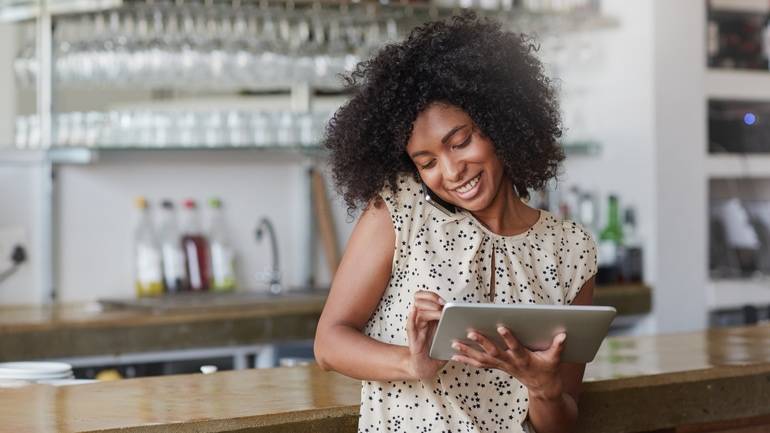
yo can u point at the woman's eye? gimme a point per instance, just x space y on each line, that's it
428 165
465 142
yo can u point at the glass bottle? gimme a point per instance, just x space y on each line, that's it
632 256
147 257
222 254
195 247
174 267
610 241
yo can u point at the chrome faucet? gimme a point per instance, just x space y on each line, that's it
275 274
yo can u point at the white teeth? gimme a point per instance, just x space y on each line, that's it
469 186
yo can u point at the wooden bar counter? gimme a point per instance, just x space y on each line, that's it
717 380
67 331
64 331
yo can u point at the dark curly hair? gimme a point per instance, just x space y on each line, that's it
468 62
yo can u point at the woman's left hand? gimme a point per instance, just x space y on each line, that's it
537 370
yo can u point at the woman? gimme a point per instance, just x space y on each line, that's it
463 111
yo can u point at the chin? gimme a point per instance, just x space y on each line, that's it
477 204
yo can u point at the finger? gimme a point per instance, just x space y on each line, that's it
425 304
557 347
514 347
488 345
429 296
470 361
423 317
472 353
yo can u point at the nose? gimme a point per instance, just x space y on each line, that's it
453 168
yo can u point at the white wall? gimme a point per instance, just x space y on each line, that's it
680 134
612 95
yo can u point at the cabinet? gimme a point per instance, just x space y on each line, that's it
738 180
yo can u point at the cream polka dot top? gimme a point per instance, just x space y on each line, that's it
452 255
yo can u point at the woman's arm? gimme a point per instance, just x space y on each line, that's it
358 285
556 410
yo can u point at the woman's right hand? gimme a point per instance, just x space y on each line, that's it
421 325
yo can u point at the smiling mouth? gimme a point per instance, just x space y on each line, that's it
468 186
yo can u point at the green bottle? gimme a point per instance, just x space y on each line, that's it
610 244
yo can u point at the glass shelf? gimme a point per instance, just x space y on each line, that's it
21 10
579 16
88 155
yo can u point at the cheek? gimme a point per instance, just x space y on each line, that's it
431 178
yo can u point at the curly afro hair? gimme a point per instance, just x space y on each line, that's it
468 62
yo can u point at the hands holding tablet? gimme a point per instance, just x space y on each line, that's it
537 370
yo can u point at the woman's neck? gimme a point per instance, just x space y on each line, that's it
507 215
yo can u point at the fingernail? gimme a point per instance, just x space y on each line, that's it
441 301
472 336
455 346
502 330
562 337
455 358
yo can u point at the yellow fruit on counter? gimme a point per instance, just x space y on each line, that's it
109 374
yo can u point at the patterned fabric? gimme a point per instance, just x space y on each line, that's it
452 255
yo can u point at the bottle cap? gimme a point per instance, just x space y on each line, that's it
630 216
215 202
167 204
189 204
140 202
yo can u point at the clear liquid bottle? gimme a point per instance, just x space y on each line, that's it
222 254
174 267
195 247
148 264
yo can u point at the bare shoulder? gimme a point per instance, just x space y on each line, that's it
365 269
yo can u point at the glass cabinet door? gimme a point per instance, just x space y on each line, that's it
18 74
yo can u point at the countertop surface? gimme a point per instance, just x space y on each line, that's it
83 330
635 384
92 315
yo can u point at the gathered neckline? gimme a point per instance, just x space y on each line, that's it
540 218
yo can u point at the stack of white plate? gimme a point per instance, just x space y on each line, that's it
35 371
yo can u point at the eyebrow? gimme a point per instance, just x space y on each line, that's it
443 140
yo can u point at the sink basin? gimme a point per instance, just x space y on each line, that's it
208 300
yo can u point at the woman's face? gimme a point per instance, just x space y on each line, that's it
454 159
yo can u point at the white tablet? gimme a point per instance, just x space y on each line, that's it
534 325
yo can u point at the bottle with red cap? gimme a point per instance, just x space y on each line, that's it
195 247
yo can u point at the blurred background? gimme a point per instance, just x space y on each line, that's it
162 158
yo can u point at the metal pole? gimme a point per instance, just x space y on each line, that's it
44 112
311 229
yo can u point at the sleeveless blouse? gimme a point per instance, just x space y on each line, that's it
452 255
